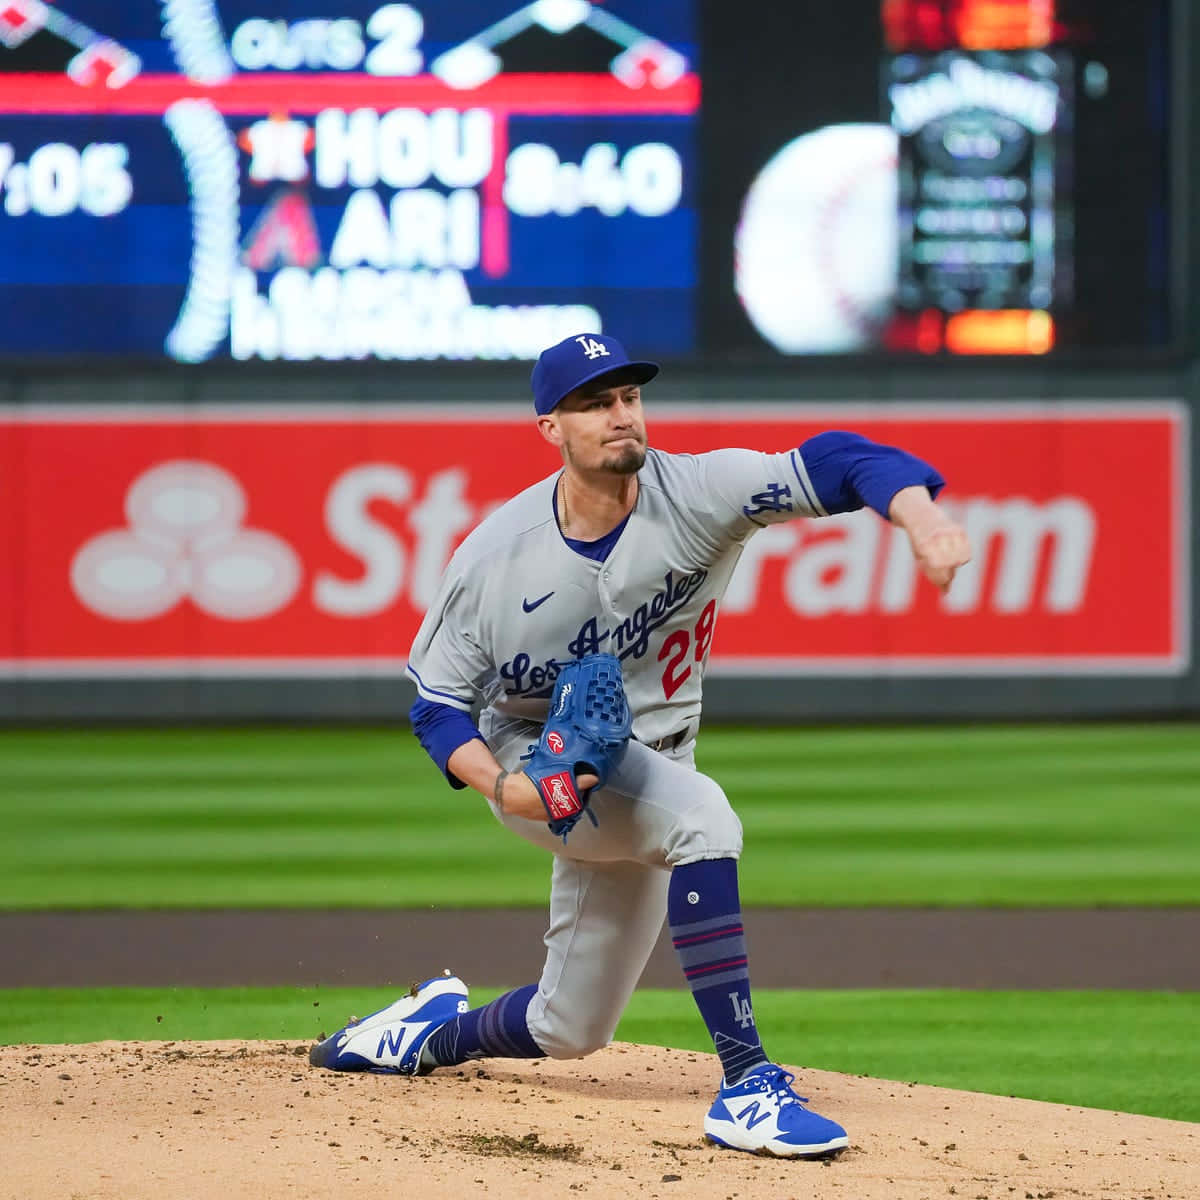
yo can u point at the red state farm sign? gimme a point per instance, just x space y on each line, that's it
249 541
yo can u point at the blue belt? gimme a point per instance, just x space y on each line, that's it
671 742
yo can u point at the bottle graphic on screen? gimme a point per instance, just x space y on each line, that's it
979 93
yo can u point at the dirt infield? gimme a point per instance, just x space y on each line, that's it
238 1121
833 948
233 1120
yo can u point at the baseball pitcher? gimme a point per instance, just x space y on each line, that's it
576 621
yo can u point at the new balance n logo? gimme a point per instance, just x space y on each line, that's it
752 1115
390 1044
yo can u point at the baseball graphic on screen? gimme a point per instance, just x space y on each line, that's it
815 248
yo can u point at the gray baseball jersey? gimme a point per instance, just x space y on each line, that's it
516 602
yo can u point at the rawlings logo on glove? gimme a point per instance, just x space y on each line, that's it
586 733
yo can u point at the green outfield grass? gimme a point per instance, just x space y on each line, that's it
993 815
1130 1052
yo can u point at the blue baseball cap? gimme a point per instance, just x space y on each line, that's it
577 360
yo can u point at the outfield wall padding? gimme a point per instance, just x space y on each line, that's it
1105 457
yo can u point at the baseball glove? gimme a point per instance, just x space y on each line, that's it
586 731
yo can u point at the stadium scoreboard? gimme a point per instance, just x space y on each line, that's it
294 180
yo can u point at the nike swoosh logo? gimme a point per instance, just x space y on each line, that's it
530 605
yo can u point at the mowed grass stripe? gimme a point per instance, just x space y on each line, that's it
1005 815
375 883
917 741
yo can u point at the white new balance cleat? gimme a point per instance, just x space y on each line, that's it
392 1039
763 1115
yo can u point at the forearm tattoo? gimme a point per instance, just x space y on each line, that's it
498 790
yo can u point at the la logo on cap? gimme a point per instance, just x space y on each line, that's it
591 347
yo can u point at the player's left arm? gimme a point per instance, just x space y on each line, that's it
836 472
848 471
939 544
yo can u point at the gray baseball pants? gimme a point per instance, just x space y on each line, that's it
608 892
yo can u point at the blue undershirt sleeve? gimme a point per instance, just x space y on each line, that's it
441 730
849 471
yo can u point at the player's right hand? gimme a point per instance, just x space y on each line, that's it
521 798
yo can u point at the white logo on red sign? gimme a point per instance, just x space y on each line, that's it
185 539
555 741
1026 556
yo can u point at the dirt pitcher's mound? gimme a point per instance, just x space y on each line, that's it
226 1120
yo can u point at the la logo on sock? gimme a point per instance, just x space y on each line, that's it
743 1013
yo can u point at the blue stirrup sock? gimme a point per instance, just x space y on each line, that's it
496 1030
705 915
